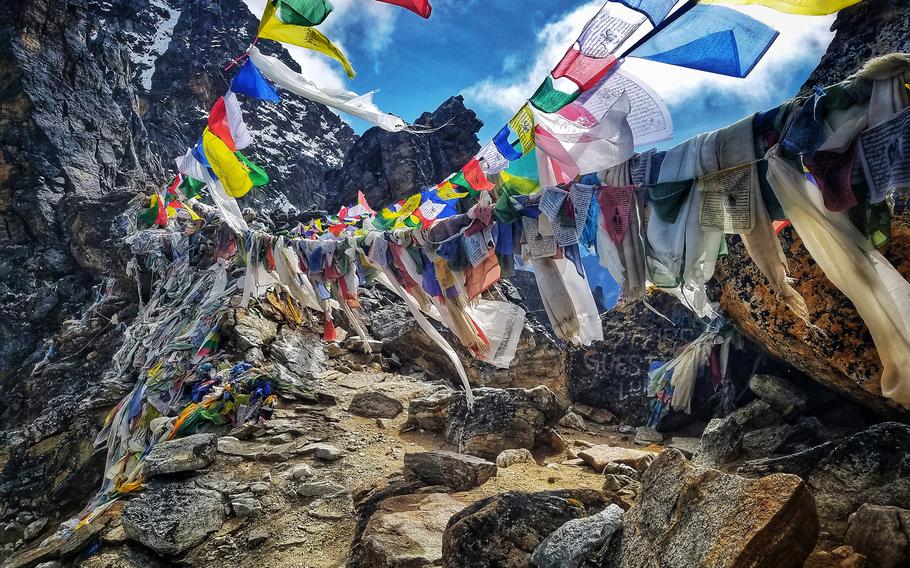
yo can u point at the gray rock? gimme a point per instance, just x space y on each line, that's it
252 330
572 543
618 482
572 420
323 451
882 534
458 471
687 517
234 447
430 412
505 529
501 419
766 441
257 536
124 556
781 394
171 518
320 489
191 453
371 403
614 468
601 456
598 415
33 529
721 442
300 471
688 446
245 504
757 414
868 467
511 457
645 436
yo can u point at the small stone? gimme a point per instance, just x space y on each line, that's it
34 529
616 482
260 488
600 456
626 429
621 469
645 436
720 443
334 350
551 480
383 423
285 438
599 415
300 471
323 451
508 458
572 420
569 545
245 505
257 536
374 404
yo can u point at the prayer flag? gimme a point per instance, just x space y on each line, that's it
710 38
250 82
447 191
155 214
272 27
475 176
801 7
550 99
420 7
239 131
655 10
303 12
523 126
219 126
229 169
258 176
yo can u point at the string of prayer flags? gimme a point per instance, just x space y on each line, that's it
303 12
800 7
710 38
655 10
273 27
250 82
420 7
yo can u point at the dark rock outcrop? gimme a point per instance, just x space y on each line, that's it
458 471
389 166
881 534
505 529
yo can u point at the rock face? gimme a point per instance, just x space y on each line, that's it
504 530
844 358
171 518
97 99
688 517
390 166
872 466
613 374
458 471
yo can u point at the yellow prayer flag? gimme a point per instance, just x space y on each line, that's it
523 125
230 171
272 28
801 7
447 191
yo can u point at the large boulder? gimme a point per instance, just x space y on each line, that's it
505 529
458 471
406 532
691 517
501 419
872 466
191 453
571 544
171 518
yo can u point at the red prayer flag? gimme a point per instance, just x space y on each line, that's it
474 175
420 7
584 71
219 125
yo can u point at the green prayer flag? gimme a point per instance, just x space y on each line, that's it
548 98
257 175
303 12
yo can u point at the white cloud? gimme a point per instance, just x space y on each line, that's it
801 39
369 25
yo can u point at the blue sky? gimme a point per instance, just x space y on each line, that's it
496 52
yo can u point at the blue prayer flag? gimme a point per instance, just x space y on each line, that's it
711 38
655 10
250 82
